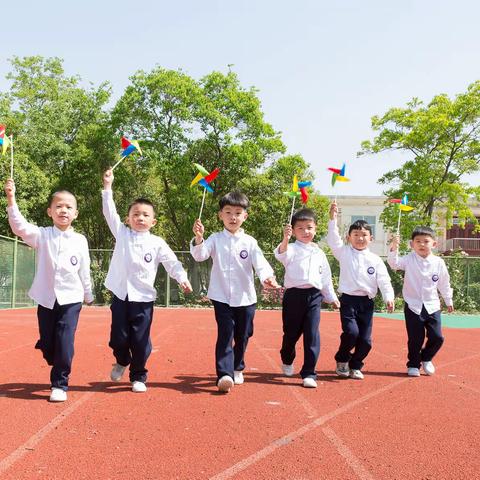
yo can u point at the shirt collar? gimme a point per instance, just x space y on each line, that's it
66 233
239 233
359 252
423 259
307 246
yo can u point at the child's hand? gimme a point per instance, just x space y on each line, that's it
390 306
395 243
336 304
108 179
270 282
186 287
450 309
287 232
333 211
198 230
10 191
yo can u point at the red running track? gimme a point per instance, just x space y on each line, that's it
387 426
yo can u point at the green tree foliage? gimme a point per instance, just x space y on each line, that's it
441 141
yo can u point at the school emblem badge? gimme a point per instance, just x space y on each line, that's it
73 260
370 270
148 257
243 254
435 277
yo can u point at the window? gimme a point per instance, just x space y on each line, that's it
370 219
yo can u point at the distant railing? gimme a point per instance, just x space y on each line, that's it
467 244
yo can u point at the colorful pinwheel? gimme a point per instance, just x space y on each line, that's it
6 142
402 207
338 175
298 189
204 178
128 146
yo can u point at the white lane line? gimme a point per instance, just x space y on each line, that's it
347 454
29 344
286 439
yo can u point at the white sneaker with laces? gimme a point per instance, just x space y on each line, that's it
309 382
225 383
139 387
428 368
413 372
288 370
342 369
238 377
356 374
117 372
58 395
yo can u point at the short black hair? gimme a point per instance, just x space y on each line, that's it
360 225
304 214
234 199
141 201
58 192
422 230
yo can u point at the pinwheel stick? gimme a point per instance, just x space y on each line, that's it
291 213
11 156
203 203
118 163
398 223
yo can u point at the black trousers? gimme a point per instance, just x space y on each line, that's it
130 335
301 316
356 314
417 327
234 328
57 329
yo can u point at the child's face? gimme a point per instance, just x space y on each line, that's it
232 217
423 245
63 210
304 230
359 239
141 217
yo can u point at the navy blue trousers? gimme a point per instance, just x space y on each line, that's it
417 326
57 329
356 314
301 316
234 328
130 335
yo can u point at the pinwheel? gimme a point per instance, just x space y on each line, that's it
402 207
299 189
338 175
5 142
128 146
204 178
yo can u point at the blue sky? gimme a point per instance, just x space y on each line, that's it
323 69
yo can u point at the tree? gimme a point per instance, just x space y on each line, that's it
441 141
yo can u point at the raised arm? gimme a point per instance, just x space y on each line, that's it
108 205
29 232
333 237
394 260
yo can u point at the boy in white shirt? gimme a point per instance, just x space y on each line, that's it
362 273
425 276
308 280
131 278
231 289
61 284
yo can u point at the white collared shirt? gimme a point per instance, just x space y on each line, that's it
362 272
234 258
135 259
424 278
307 266
63 262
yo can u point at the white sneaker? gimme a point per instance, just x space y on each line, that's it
225 384
356 374
342 369
428 368
238 377
139 387
117 372
413 372
58 395
309 382
288 370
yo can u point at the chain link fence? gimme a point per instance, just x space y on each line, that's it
17 269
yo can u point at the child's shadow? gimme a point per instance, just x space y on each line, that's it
32 391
